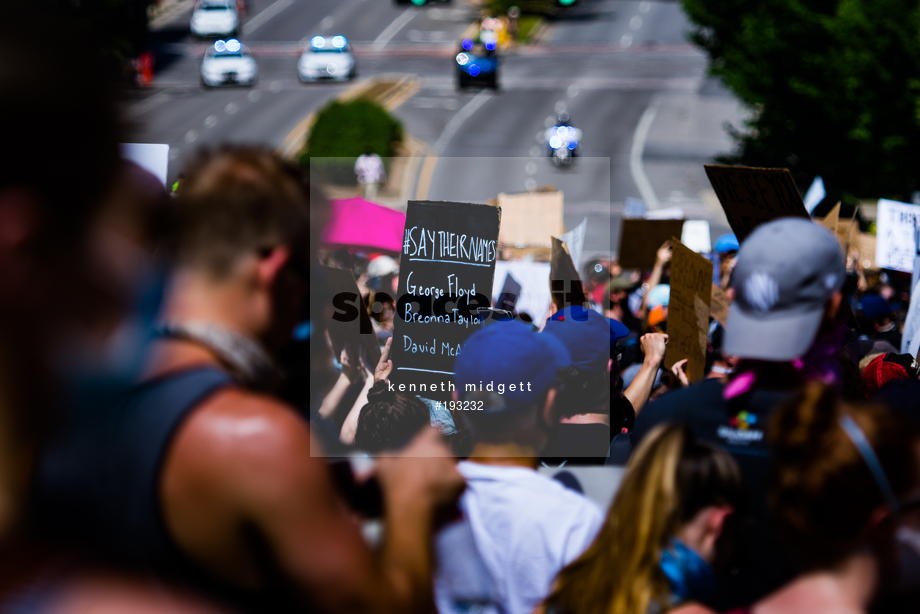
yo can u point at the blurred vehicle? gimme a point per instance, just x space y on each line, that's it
215 18
228 63
477 62
562 140
327 58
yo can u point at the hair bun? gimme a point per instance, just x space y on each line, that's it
380 392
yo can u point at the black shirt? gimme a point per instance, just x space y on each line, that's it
739 427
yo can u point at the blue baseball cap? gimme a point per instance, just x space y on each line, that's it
726 243
586 334
506 354
874 306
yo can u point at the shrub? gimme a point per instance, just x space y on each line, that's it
345 130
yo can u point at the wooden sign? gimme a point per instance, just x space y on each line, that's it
446 270
565 284
719 305
754 196
641 239
350 322
688 311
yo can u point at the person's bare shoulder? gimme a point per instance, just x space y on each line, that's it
107 594
236 456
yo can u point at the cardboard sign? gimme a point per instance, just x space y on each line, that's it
688 312
564 282
832 219
896 246
754 196
865 246
446 270
641 239
530 219
357 332
720 305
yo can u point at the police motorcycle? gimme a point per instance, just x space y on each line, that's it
562 139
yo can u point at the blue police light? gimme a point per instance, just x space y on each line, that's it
467 44
572 145
555 142
462 59
318 42
490 45
233 45
220 46
339 42
474 70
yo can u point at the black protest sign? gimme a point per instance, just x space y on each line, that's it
564 282
641 239
688 310
350 322
754 196
445 275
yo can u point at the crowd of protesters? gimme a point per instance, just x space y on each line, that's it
178 435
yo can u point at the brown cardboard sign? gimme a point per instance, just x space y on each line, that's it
754 196
720 305
831 220
640 240
565 284
688 311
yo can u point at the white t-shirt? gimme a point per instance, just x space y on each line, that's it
526 528
369 168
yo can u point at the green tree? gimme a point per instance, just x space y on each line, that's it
345 130
834 86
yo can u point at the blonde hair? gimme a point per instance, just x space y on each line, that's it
670 478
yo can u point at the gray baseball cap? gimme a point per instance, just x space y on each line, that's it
787 270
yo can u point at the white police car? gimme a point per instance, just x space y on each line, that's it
215 18
228 63
327 58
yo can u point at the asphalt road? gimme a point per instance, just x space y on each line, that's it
608 63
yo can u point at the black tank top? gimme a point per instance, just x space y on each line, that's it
98 481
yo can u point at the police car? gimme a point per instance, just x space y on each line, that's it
327 58
477 62
228 63
215 18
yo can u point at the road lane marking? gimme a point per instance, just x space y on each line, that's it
635 157
142 107
424 180
393 29
457 120
266 14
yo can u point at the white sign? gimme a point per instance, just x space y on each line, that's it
910 341
896 246
575 242
695 235
152 157
534 279
815 194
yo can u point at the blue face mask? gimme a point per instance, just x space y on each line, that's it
689 576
